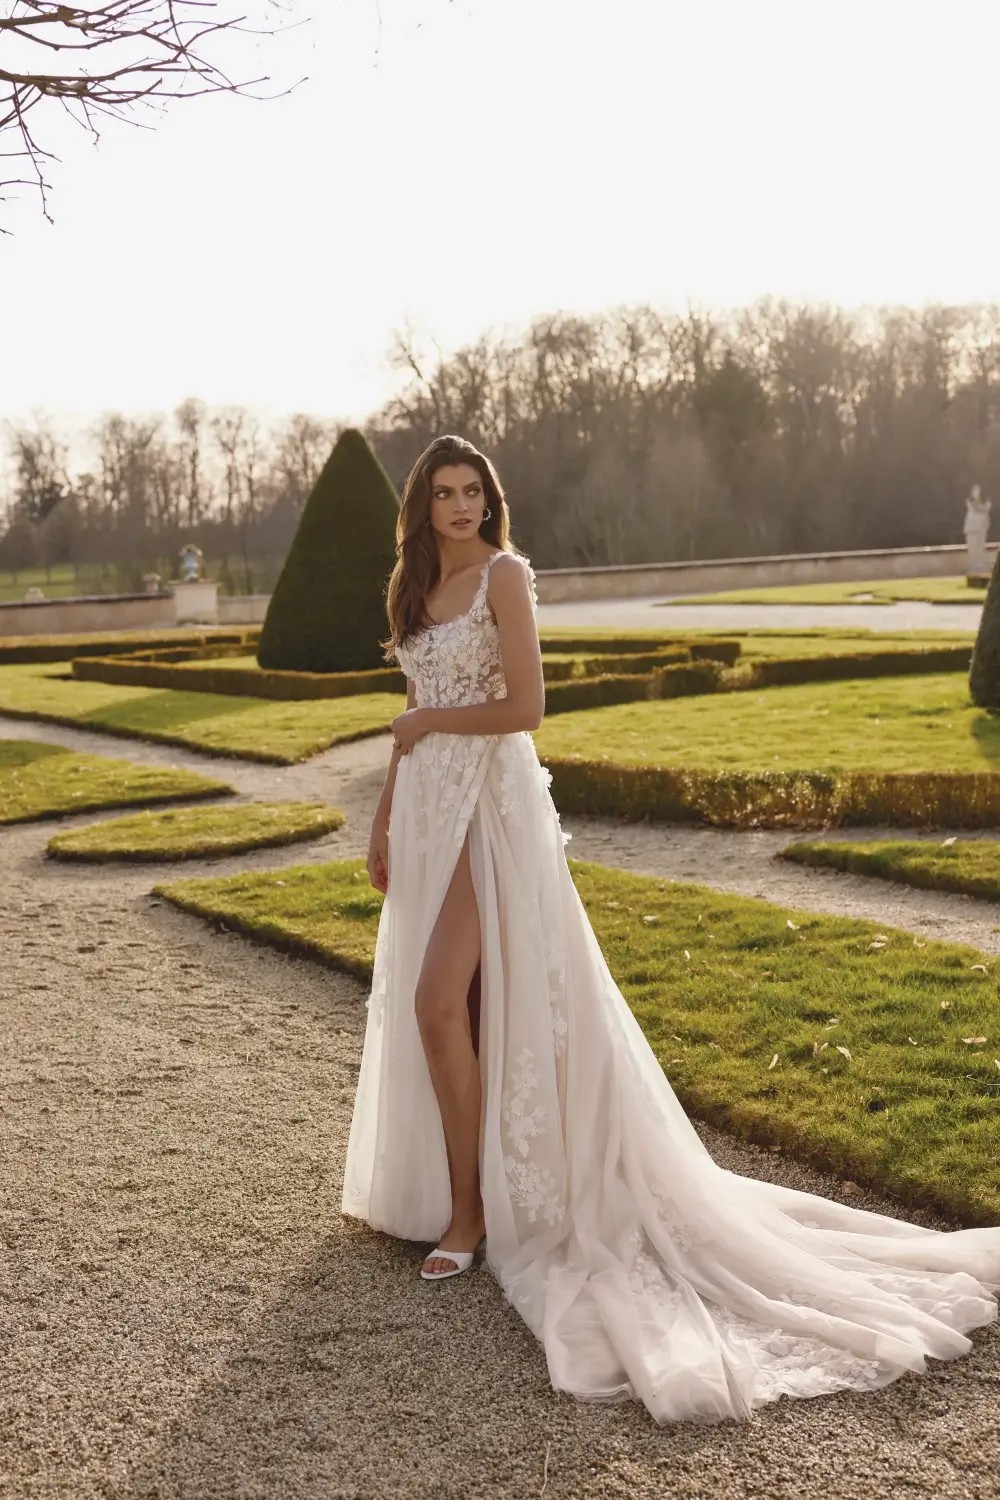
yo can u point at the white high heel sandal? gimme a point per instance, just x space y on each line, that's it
463 1260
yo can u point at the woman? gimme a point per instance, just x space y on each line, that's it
506 1087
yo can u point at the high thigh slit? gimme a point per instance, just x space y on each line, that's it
455 939
646 1271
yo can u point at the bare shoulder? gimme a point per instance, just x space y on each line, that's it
508 565
511 577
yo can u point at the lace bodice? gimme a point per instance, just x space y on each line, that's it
458 661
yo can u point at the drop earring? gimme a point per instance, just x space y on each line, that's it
486 515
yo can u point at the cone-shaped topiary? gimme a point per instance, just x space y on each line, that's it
327 612
984 674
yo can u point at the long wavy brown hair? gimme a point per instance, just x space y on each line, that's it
418 567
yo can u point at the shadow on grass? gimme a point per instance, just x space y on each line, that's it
166 709
15 753
986 733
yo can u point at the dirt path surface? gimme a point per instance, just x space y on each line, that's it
666 612
184 1311
351 776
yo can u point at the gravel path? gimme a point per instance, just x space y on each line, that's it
183 1309
351 777
666 612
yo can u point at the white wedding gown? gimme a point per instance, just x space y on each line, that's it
646 1271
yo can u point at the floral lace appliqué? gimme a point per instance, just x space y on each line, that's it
684 1234
534 1188
531 1185
788 1363
459 661
646 1275
522 1123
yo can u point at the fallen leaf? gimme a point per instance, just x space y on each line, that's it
877 943
651 919
918 944
833 1021
946 842
946 1005
773 1063
974 1041
793 925
845 1052
980 967
687 955
911 1041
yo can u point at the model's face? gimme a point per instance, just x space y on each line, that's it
457 501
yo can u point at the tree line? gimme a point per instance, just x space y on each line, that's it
631 436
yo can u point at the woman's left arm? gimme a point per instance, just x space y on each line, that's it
509 594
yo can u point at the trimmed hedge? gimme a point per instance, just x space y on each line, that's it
603 665
680 680
237 681
191 653
328 612
565 689
782 671
670 678
984 672
775 799
709 648
19 650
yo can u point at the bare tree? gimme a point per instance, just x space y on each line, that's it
129 53
41 472
627 437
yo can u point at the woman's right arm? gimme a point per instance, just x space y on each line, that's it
378 844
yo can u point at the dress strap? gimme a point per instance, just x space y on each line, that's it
480 598
485 579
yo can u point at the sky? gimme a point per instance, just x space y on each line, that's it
453 168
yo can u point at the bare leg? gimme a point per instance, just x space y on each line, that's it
442 1009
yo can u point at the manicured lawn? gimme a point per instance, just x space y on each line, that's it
269 730
879 591
46 781
197 833
910 723
59 582
969 866
889 723
864 1050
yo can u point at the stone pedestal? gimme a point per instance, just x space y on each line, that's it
196 602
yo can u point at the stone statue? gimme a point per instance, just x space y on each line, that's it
977 525
190 556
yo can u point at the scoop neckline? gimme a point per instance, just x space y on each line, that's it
440 624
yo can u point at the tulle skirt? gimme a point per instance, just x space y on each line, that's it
646 1271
